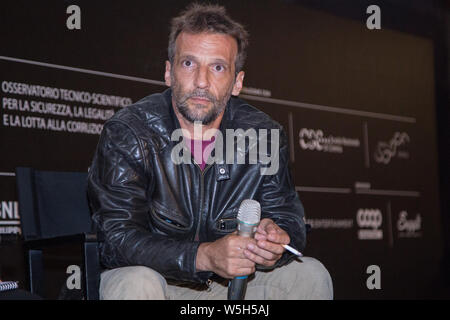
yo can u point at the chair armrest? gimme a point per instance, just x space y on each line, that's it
45 242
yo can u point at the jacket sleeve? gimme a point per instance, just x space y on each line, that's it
280 202
119 189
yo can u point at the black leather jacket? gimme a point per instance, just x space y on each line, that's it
155 213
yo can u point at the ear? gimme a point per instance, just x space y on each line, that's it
167 77
238 84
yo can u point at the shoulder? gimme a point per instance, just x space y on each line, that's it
149 109
245 116
150 118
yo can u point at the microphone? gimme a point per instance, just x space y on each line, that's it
248 218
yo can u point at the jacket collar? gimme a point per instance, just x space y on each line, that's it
221 169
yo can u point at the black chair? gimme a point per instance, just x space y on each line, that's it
54 210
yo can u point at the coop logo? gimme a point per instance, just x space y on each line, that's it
316 140
385 151
409 228
9 217
369 221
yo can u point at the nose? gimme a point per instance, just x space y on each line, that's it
202 78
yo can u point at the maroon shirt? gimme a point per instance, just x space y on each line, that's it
198 147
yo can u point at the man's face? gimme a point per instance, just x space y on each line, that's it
202 76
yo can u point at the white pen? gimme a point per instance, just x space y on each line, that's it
289 248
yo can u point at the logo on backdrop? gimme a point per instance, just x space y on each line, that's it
330 223
409 227
369 222
9 217
386 151
316 140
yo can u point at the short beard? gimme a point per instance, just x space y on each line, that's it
218 105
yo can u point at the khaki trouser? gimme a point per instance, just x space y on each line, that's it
295 281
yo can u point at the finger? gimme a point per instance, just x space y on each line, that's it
260 236
263 225
263 253
244 271
258 259
277 235
238 266
282 238
270 246
243 266
238 245
272 228
243 263
261 229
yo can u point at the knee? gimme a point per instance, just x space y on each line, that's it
315 269
316 277
132 283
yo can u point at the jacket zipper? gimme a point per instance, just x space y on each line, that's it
202 190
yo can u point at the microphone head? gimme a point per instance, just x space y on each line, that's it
249 212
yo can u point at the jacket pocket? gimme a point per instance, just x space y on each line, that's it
227 223
166 222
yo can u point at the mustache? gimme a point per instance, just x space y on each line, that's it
204 94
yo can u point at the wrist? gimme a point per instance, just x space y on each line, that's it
202 261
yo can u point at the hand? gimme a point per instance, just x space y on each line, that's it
225 256
269 240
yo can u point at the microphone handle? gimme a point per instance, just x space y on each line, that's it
238 286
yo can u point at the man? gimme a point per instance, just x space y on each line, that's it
169 227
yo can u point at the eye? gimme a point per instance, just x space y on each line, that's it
219 68
187 63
